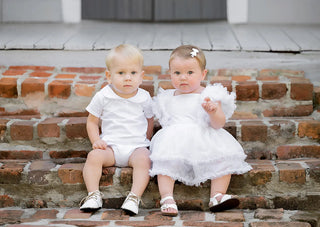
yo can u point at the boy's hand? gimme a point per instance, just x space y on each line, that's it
99 144
209 106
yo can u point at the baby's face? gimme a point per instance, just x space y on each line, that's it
125 76
186 75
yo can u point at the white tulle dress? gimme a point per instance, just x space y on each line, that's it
187 148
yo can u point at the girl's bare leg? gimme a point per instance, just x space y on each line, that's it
140 162
220 185
166 185
93 167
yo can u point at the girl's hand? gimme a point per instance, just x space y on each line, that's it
209 106
99 144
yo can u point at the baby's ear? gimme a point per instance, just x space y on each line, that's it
108 75
204 73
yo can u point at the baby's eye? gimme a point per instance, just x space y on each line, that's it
121 73
133 72
190 72
177 73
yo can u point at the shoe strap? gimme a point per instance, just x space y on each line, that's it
169 205
214 200
165 199
93 194
133 197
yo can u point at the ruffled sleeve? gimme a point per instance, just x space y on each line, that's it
159 106
217 92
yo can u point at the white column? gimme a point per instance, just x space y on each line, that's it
237 11
71 11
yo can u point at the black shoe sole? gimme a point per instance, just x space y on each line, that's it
129 212
89 210
226 205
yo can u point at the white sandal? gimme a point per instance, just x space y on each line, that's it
227 202
168 205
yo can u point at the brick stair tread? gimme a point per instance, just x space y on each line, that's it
152 217
290 184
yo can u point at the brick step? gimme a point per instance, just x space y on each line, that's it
63 137
46 90
152 217
289 184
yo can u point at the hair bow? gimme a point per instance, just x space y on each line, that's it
194 52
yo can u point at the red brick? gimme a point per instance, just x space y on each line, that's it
165 85
49 127
107 176
65 76
114 215
240 78
309 129
145 223
126 176
39 171
3 128
40 74
21 154
76 128
279 224
11 172
253 202
32 85
89 70
68 154
281 72
292 151
190 204
81 223
269 213
152 69
36 203
314 169
85 89
71 113
290 172
71 173
225 83
33 67
6 201
21 112
76 214
243 115
148 86
147 78
192 215
301 91
164 77
254 131
261 173
10 216
294 111
247 91
230 216
212 224
157 215
22 130
13 72
273 90
60 89
8 87
268 78
316 96
44 214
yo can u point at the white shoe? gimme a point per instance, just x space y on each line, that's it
131 204
92 202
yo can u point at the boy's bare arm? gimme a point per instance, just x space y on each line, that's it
150 128
93 132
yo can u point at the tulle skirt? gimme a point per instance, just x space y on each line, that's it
192 154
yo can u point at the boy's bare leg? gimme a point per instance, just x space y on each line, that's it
166 185
140 162
93 167
220 184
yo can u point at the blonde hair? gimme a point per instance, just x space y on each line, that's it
125 50
185 51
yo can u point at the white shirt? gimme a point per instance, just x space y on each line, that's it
124 121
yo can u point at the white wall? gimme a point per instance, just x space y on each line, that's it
274 11
68 11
